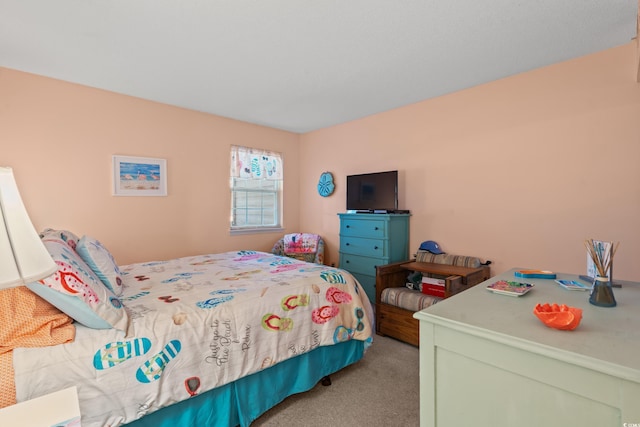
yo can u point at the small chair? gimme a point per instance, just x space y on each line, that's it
301 246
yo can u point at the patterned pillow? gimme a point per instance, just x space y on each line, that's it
407 298
65 235
78 292
457 260
101 262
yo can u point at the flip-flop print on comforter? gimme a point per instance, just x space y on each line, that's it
198 323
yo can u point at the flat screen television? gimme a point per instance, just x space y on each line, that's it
373 192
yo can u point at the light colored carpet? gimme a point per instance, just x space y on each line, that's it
382 389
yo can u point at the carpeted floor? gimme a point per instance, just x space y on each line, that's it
382 389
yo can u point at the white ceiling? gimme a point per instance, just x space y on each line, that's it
301 65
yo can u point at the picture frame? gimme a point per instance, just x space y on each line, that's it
139 176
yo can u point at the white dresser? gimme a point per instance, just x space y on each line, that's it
486 360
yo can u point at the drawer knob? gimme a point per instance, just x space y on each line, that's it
347 244
348 226
375 247
375 228
347 262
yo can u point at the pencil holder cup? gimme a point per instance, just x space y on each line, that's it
602 293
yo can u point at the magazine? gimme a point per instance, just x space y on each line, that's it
573 285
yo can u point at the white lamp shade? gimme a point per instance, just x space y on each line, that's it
23 257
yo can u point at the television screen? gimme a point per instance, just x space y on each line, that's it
373 192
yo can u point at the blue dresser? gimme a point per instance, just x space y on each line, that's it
369 240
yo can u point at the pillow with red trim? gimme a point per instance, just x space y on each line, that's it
65 235
75 290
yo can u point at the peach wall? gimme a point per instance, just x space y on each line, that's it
60 137
519 171
504 171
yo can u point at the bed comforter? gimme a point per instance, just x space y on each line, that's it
197 323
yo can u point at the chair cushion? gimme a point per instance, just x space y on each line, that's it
449 259
303 257
407 298
317 257
300 243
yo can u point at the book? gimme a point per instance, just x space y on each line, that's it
573 285
432 281
535 274
508 287
433 290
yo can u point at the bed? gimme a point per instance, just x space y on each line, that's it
209 340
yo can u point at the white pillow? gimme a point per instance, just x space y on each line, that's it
75 290
101 262
67 236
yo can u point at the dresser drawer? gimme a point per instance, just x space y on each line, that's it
360 264
362 246
373 228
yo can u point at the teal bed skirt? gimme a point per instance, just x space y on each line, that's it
243 401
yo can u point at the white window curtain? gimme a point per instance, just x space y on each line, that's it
256 189
253 163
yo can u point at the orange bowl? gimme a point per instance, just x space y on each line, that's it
558 316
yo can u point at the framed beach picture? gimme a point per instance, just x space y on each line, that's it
139 176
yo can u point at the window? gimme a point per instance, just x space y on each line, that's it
256 189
